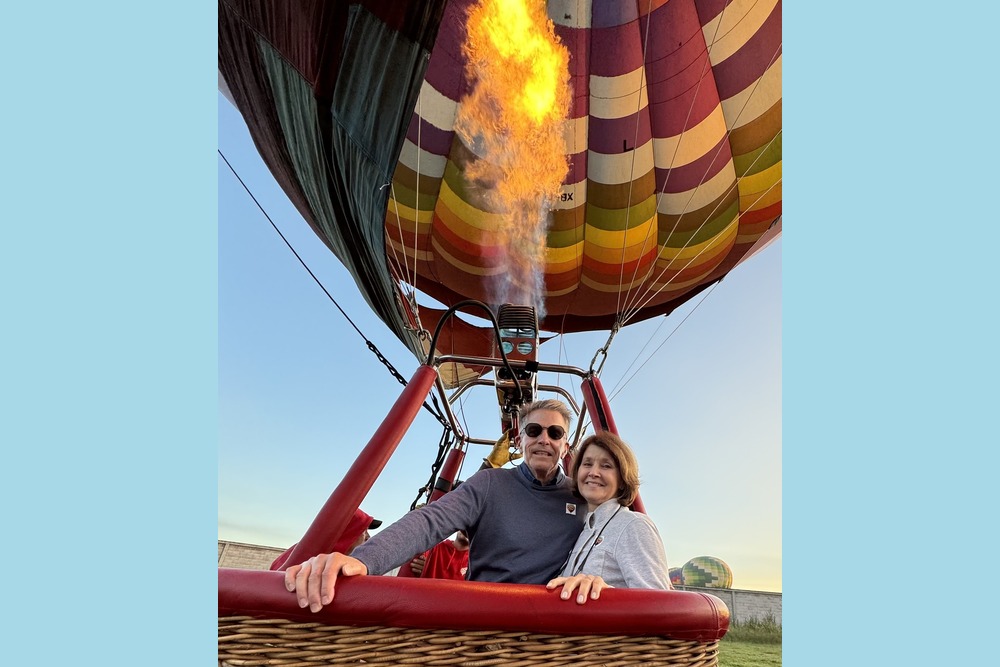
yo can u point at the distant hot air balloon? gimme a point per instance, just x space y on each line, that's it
676 576
707 572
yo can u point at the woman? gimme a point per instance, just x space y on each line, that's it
617 547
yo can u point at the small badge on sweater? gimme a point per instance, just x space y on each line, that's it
571 509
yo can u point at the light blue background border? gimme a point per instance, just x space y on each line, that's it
890 334
109 310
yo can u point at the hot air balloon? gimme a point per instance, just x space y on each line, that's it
673 139
671 143
707 572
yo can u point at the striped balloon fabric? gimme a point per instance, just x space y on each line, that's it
673 139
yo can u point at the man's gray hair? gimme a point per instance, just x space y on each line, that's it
553 404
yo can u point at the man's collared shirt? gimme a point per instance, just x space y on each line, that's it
530 476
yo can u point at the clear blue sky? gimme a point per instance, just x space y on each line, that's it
300 394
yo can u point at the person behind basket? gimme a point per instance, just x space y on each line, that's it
521 521
446 560
618 547
353 536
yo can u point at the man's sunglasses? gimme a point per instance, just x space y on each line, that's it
534 430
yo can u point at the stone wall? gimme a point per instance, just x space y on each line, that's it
246 556
743 605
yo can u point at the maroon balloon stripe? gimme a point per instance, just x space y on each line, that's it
749 63
684 178
618 135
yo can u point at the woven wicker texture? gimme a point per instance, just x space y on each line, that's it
246 642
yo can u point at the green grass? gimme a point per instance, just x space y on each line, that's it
749 654
753 643
756 631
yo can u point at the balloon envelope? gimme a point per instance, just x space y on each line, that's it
673 141
707 572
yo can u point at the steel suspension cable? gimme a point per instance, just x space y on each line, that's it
371 346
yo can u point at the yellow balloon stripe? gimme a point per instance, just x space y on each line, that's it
466 212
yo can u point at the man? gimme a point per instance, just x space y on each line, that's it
521 521
447 560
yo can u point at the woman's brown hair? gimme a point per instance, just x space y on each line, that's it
625 461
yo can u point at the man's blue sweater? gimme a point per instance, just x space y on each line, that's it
520 531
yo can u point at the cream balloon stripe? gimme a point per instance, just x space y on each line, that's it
674 145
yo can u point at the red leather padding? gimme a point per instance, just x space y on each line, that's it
469 605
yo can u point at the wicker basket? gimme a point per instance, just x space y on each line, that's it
246 642
394 621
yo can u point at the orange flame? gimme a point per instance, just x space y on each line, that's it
512 120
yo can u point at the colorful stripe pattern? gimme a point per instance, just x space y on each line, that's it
674 141
674 144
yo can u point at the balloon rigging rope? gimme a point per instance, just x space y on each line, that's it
622 383
632 307
371 346
650 294
416 195
409 277
402 267
634 283
631 177
297 256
